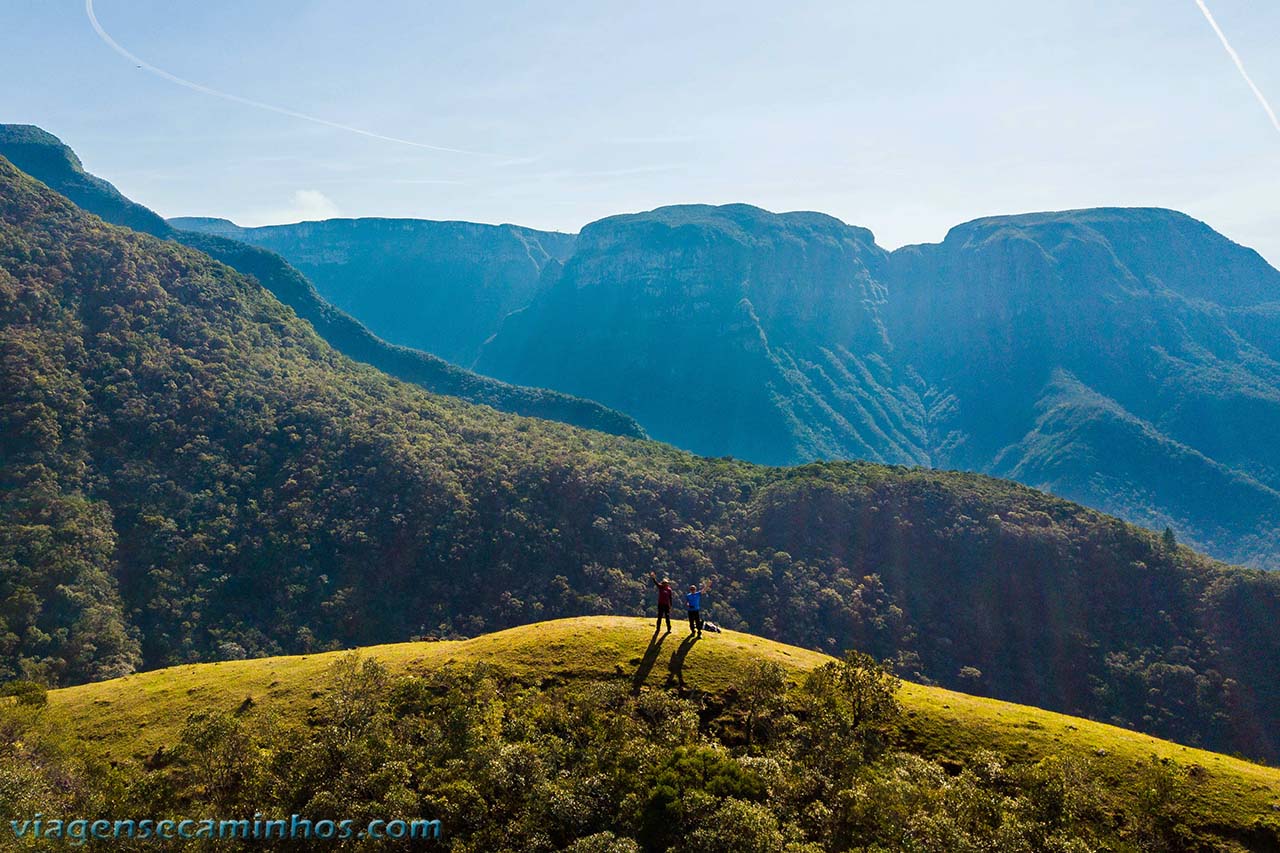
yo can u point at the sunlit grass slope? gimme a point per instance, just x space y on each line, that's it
127 719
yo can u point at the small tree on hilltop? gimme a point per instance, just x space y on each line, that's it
29 693
850 706
762 691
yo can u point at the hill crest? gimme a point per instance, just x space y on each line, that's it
129 719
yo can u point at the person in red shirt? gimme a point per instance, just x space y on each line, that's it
665 596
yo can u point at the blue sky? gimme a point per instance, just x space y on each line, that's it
906 118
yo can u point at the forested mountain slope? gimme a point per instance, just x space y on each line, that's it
1113 356
187 471
43 156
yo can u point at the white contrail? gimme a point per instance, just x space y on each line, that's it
173 78
1235 57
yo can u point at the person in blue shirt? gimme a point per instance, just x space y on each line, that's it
693 601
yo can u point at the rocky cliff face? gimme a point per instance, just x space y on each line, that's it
1111 356
441 287
727 330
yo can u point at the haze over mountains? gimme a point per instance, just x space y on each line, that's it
189 472
463 278
1124 358
718 327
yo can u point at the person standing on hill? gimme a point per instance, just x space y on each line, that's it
665 596
693 601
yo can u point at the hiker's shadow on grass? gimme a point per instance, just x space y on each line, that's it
647 662
676 666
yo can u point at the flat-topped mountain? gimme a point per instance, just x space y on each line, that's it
717 328
1164 249
441 287
1123 358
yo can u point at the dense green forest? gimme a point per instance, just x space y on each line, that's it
188 472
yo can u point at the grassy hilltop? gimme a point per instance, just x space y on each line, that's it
1222 802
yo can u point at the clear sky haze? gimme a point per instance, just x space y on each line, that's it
906 118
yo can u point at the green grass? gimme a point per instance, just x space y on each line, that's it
127 719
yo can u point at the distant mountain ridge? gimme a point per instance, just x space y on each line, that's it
45 157
701 322
441 287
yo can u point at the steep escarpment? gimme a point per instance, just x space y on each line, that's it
725 330
441 287
1057 334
